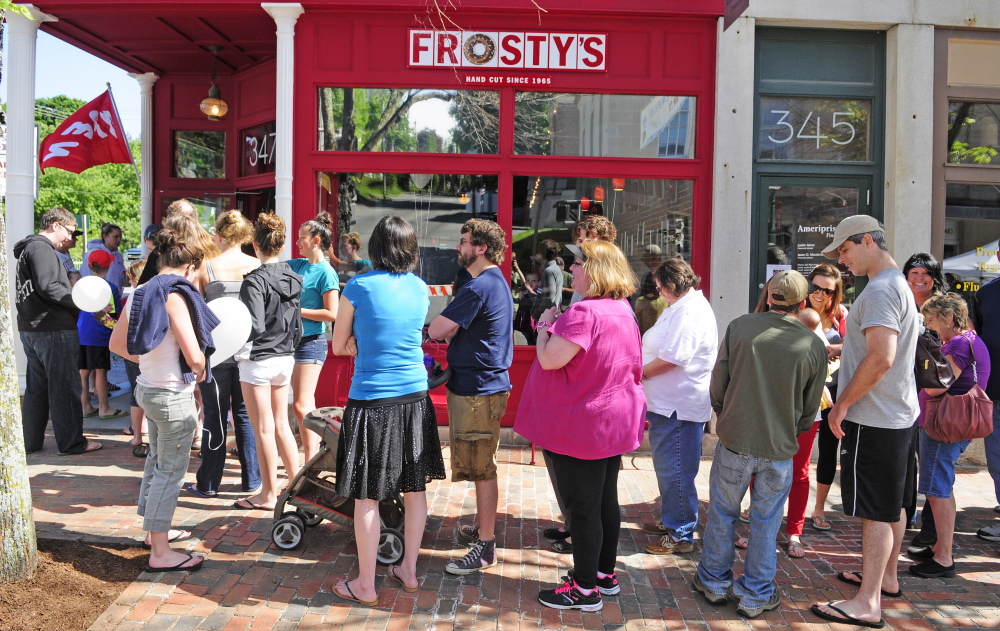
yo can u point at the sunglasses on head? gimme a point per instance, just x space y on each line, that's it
813 289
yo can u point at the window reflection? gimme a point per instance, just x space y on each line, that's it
200 154
973 133
408 120
606 125
651 221
436 205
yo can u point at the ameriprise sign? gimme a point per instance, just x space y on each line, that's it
504 49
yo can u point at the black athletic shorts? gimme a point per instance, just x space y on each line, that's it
877 471
94 357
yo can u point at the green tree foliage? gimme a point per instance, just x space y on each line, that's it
109 192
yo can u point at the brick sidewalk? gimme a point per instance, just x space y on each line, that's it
247 584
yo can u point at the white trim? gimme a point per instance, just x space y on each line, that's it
146 82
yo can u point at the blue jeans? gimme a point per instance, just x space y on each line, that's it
730 477
992 443
218 398
676 447
52 389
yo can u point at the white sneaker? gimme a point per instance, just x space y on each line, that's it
990 533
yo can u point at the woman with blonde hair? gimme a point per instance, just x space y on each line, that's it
221 277
583 404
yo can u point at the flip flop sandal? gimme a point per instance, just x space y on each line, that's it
91 446
796 550
250 505
821 523
92 414
141 450
114 414
390 573
846 619
742 543
352 597
844 578
181 535
180 567
127 430
194 490
745 517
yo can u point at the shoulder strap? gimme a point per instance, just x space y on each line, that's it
972 348
211 272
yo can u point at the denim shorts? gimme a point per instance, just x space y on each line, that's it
937 465
311 350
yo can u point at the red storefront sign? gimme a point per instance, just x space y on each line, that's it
507 49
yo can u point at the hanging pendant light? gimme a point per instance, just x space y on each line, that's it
213 107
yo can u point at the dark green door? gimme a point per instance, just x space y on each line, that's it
795 221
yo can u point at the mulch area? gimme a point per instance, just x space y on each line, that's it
73 585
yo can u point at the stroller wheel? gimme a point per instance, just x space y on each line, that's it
287 533
390 546
309 519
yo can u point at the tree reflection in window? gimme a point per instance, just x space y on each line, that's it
973 132
200 154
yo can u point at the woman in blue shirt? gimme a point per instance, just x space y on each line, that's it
389 441
320 289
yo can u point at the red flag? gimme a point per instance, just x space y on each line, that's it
92 136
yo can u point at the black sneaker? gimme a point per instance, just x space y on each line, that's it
608 585
569 596
481 555
932 569
469 532
920 554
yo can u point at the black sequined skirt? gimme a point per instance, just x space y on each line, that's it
387 447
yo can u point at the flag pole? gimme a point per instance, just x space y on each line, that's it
125 138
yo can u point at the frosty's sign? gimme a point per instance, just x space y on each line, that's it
507 49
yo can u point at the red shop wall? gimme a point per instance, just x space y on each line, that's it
651 54
251 99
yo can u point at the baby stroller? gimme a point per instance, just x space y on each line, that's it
312 496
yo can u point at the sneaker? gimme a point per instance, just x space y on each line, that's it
920 554
608 585
469 532
712 597
770 605
480 556
569 596
923 540
667 545
990 533
655 528
932 569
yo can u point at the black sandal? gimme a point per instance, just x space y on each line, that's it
141 450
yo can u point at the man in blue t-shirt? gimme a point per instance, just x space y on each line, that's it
479 326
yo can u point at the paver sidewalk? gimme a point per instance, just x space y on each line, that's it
248 584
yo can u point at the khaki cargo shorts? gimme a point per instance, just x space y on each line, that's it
474 430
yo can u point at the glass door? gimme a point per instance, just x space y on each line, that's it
795 220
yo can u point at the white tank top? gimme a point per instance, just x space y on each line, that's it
161 367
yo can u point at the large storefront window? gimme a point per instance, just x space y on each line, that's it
436 205
973 133
972 235
408 120
604 125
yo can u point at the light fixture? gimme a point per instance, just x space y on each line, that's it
213 107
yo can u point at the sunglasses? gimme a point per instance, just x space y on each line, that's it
813 289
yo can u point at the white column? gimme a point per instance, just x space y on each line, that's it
909 139
146 82
732 173
19 64
285 16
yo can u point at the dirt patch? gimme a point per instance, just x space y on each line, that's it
74 584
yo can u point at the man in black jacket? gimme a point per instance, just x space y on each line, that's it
46 320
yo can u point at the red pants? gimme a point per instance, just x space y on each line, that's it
798 497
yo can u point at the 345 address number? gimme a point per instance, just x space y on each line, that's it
838 122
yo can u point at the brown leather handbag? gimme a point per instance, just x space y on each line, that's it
953 418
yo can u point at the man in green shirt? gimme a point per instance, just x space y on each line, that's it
766 389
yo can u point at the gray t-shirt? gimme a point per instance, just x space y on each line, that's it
888 302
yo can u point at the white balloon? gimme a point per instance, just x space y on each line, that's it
233 330
91 293
421 180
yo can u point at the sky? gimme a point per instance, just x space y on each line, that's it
64 69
